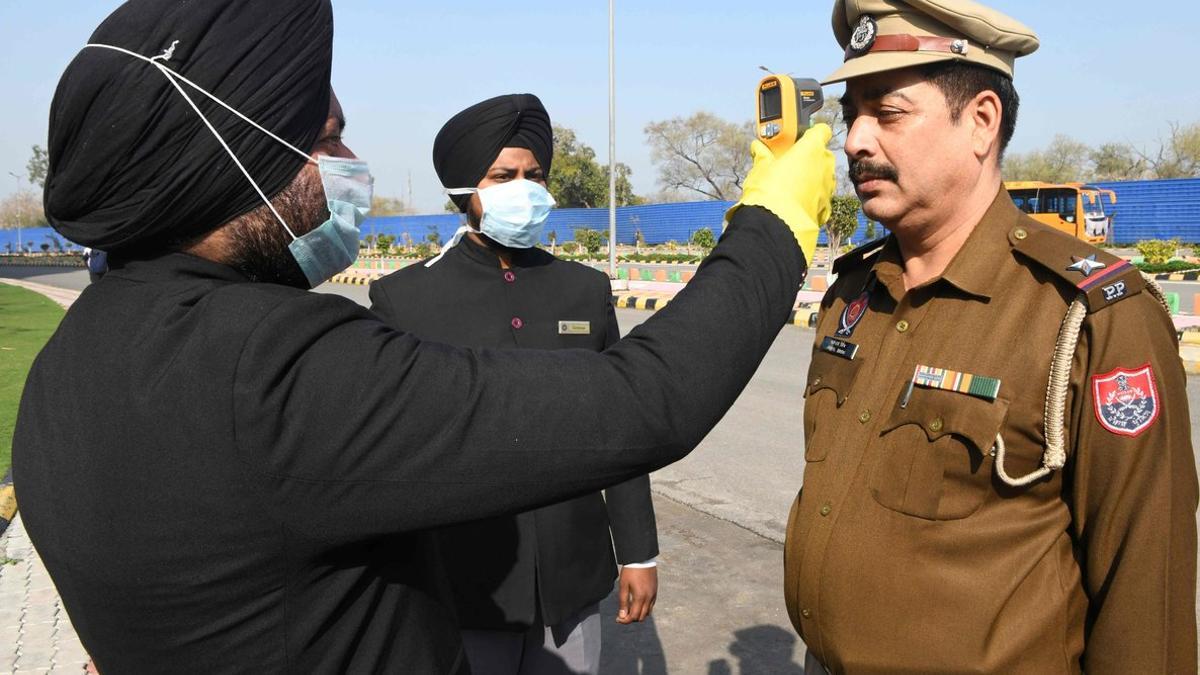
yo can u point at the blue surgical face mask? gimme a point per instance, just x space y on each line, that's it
333 246
513 214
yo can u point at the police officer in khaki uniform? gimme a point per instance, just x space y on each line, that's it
999 477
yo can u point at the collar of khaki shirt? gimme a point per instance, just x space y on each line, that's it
972 270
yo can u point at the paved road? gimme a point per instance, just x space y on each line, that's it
1187 290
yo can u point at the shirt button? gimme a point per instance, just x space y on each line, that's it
864 416
1020 234
510 277
826 509
518 323
936 425
816 382
806 613
902 326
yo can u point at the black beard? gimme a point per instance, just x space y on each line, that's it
260 244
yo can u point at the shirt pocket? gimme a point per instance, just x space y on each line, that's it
830 380
931 460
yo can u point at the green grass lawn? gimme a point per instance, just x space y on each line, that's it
26 322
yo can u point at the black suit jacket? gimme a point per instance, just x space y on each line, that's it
557 559
243 482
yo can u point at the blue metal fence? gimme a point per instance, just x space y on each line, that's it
1156 209
34 238
659 223
1164 209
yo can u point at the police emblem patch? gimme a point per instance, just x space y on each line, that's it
864 35
853 313
1126 400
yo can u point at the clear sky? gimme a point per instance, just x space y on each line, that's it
1107 70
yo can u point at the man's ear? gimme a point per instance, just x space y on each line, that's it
984 112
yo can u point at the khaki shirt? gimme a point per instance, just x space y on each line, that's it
906 553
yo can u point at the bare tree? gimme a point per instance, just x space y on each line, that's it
1178 156
389 206
832 115
1066 160
702 155
21 209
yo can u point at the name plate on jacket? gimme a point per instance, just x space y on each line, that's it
574 327
846 350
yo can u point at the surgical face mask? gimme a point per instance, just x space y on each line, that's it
513 214
330 247
333 246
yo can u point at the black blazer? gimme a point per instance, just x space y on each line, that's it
560 556
244 480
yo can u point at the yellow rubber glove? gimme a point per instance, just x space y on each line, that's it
797 187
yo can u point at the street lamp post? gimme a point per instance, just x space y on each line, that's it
612 145
20 209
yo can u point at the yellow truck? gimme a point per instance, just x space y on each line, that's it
1074 208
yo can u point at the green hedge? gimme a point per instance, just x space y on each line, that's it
1167 267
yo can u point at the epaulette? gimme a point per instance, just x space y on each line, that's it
856 256
1101 276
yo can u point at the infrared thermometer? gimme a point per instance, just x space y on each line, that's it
785 110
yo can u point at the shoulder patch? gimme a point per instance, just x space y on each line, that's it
1126 400
1102 277
858 255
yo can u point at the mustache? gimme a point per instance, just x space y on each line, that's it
861 170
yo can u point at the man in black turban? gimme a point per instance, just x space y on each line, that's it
133 168
526 586
244 481
469 143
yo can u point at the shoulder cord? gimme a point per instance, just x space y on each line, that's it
1055 457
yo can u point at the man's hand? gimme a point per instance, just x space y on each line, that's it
797 186
637 589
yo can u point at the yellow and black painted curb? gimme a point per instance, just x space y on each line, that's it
355 279
8 502
805 315
1179 276
636 302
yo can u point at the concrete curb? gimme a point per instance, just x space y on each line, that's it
805 315
8 502
355 279
640 302
1178 276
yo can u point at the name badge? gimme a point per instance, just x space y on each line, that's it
846 350
574 327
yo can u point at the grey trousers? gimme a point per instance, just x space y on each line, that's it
569 648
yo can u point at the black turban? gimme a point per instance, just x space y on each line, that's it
469 143
132 166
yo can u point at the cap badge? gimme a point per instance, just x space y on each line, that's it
864 35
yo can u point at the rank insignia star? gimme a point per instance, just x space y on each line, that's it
1086 266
